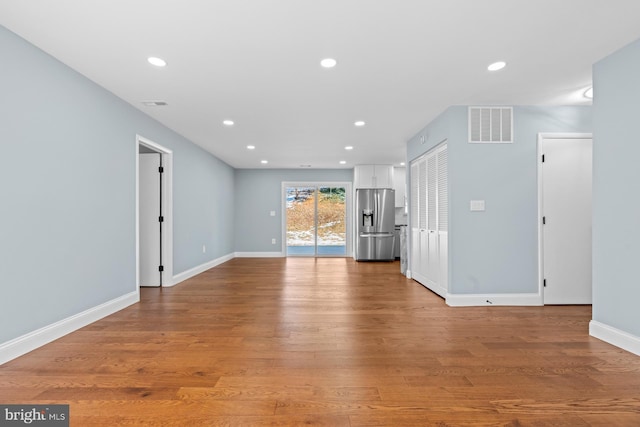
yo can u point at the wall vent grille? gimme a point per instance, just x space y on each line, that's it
491 125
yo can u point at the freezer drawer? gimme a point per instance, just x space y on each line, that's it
375 247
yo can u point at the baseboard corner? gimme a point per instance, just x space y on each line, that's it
615 337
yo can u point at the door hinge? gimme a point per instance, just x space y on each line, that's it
544 283
543 158
161 268
544 220
161 169
161 219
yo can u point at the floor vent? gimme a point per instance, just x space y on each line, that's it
490 124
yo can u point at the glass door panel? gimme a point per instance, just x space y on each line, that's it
331 221
301 220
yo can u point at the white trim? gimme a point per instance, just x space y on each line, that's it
614 336
181 277
542 136
259 254
22 345
167 234
476 300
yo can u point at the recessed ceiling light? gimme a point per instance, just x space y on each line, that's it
264 162
588 93
348 147
227 122
402 163
251 147
328 63
359 123
343 162
158 62
497 66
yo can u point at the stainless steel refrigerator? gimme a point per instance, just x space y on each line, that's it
375 217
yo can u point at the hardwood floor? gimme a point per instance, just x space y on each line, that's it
328 342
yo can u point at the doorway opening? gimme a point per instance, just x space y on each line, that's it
154 215
316 222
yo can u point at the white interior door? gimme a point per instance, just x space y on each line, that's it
149 211
566 229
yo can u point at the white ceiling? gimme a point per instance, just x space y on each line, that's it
400 64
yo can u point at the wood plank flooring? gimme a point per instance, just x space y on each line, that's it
328 342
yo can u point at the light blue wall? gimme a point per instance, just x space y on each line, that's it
204 194
495 252
260 191
67 192
616 190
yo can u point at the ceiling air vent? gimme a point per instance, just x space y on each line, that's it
154 103
491 125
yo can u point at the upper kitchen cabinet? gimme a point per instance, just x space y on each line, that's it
399 184
373 176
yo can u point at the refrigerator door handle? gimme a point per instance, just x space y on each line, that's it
377 197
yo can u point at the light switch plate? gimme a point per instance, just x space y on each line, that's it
272 213
476 205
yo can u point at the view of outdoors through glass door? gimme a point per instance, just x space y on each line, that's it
316 221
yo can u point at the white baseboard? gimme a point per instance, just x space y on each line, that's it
22 345
259 254
475 300
430 285
181 277
434 287
615 336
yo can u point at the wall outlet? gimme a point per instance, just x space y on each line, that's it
204 249
273 241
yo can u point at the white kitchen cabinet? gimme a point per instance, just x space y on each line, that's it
399 184
429 220
373 176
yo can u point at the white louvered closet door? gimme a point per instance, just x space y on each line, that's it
443 217
432 267
430 219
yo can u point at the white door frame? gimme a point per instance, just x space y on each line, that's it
541 137
167 202
348 213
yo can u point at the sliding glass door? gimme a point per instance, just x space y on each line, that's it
316 220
